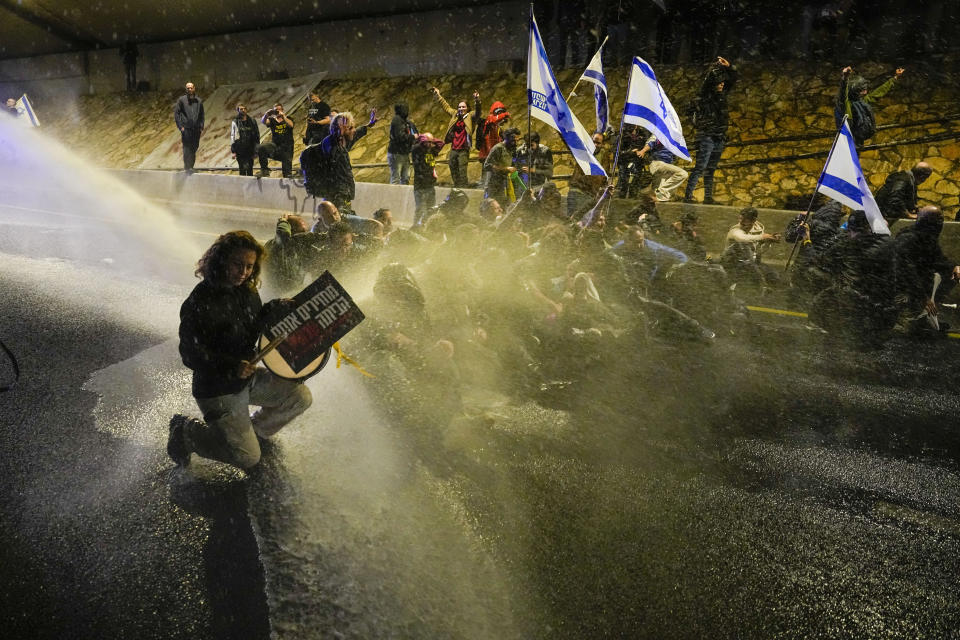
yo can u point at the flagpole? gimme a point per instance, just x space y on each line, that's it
616 156
529 126
574 90
816 190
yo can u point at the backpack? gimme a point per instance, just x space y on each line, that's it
863 124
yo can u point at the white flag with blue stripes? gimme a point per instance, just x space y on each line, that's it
547 105
594 75
842 179
26 116
648 106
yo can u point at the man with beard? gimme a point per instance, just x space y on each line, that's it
498 167
244 138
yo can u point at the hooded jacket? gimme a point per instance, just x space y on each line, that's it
712 113
859 109
488 131
402 131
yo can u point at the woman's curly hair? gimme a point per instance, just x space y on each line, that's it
213 264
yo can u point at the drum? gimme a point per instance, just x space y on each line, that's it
273 361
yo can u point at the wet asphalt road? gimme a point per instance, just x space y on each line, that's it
755 490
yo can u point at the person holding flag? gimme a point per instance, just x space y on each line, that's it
546 103
648 106
667 176
711 118
23 111
842 179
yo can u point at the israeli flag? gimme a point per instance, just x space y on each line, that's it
842 179
594 75
547 105
648 106
27 117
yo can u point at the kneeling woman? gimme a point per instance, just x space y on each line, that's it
219 326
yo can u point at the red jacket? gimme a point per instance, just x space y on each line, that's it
488 131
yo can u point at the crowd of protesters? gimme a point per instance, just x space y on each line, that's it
511 161
580 272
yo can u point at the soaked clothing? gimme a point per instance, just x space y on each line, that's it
289 257
918 256
859 301
898 195
335 170
859 110
495 179
219 327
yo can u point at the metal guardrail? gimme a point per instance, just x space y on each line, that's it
819 135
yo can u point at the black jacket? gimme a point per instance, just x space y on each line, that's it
917 256
248 135
219 327
188 113
333 168
401 131
712 112
898 195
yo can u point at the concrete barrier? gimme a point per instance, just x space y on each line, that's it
249 196
244 199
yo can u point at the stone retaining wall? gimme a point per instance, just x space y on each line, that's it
118 130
